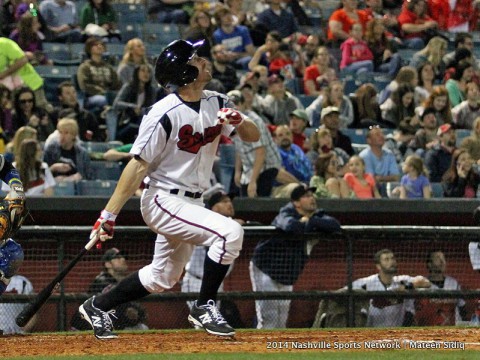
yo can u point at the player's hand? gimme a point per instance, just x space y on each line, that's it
230 116
421 282
16 201
103 228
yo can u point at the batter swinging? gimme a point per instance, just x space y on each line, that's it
174 153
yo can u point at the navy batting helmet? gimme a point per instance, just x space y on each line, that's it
172 66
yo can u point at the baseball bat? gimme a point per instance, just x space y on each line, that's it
31 309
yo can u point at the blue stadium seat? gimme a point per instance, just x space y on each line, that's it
130 13
96 187
357 136
53 76
64 188
62 54
306 100
158 33
437 189
106 170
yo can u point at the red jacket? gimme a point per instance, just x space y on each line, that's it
353 51
463 12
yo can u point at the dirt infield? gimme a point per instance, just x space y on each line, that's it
249 341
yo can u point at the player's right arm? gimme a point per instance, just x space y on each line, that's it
128 183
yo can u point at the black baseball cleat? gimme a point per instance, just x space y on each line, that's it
210 319
99 320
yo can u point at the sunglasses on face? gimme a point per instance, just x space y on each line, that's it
25 101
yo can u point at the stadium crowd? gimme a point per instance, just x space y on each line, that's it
360 99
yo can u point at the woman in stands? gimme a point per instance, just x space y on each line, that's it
201 27
472 143
133 55
406 74
13 147
36 176
131 102
366 108
426 78
341 21
460 180
399 106
457 85
439 101
319 73
321 142
327 179
434 53
335 96
385 58
101 13
27 113
28 36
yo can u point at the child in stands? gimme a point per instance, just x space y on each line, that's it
362 184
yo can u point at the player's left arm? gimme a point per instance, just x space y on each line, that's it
248 131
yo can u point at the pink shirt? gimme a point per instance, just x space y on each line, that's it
360 190
353 51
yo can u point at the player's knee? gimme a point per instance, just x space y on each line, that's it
234 241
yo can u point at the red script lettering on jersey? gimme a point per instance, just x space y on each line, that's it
192 142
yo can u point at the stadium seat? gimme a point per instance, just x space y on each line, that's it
157 33
106 170
62 54
437 190
306 100
96 187
130 13
357 136
64 188
391 185
53 76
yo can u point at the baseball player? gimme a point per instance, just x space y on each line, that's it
12 214
174 154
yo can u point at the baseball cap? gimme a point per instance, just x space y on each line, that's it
217 197
301 114
275 78
443 129
329 110
299 191
111 254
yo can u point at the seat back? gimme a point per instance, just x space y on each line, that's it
96 187
106 170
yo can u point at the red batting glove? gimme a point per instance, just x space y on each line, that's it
103 228
230 116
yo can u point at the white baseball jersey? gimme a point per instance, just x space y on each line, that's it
385 312
8 312
180 143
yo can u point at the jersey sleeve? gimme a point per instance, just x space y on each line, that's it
152 137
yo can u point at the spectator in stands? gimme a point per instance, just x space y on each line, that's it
414 183
101 13
279 103
365 106
385 57
439 101
8 21
327 179
454 17
359 181
426 82
433 52
397 141
330 119
341 21
376 10
332 95
322 143
462 55
298 123
276 18
356 56
461 180
28 113
277 262
13 147
133 55
319 74
294 161
465 113
257 164
277 58
239 13
222 204
415 24
6 106
439 158
440 312
223 69
132 101
389 312
310 48
67 160
399 106
201 28
170 11
16 71
426 137
463 40
62 20
88 126
457 85
235 39
96 77
406 74
128 316
253 83
472 143
36 176
28 36
379 162
18 285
